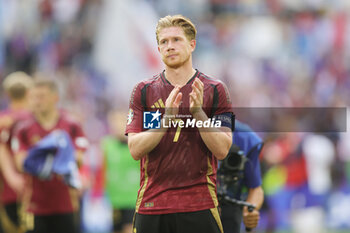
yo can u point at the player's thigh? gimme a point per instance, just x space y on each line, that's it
231 218
147 223
9 218
12 213
63 223
204 221
40 224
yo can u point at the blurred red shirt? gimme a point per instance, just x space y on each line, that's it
49 196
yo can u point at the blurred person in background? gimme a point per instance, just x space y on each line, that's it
17 86
308 204
121 173
178 169
248 176
285 177
49 206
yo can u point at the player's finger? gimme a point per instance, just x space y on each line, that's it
250 222
192 100
178 99
255 213
199 83
195 84
193 97
172 95
252 215
197 91
252 218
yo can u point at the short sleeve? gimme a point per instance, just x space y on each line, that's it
222 106
224 103
252 173
134 121
79 139
20 141
5 125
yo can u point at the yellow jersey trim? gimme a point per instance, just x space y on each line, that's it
143 188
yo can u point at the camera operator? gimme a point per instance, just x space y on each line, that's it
241 168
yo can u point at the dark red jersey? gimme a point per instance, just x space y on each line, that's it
8 121
48 196
179 174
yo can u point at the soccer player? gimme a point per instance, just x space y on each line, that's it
178 167
16 86
49 205
121 172
231 214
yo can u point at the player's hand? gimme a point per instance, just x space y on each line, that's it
173 102
250 219
196 96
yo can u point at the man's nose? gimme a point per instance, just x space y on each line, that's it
170 46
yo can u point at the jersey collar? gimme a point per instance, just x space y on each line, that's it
162 76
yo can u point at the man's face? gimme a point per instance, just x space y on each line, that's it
43 99
174 47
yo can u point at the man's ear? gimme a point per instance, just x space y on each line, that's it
193 44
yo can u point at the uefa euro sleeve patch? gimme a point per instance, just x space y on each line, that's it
130 116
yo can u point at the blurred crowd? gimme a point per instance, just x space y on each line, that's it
271 53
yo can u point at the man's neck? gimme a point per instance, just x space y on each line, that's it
48 120
179 76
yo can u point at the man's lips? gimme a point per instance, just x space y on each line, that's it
172 55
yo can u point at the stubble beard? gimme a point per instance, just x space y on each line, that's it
177 64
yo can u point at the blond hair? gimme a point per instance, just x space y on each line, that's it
17 84
177 21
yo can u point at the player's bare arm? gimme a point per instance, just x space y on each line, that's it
218 141
256 197
19 160
142 143
9 170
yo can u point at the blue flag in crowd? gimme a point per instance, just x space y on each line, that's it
54 154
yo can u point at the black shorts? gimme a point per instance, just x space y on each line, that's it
204 221
231 217
9 217
122 217
56 223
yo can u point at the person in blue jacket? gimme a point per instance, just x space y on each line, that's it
249 145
